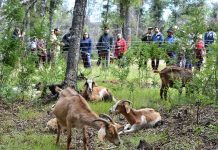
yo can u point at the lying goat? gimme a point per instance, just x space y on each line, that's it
170 75
137 119
72 111
93 92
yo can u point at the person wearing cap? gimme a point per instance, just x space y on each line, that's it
104 46
54 45
86 50
209 37
158 39
170 52
147 38
199 52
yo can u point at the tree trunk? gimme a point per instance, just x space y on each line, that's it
125 16
74 51
51 14
1 1
43 7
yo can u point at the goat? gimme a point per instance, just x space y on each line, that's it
171 74
93 92
137 119
73 111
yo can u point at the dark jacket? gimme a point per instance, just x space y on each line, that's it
105 42
66 40
147 38
86 45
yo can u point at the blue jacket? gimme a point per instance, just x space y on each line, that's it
158 38
86 45
105 42
170 39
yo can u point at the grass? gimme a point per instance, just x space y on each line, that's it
132 88
35 141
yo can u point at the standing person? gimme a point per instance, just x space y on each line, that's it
199 52
209 37
104 47
170 52
147 38
55 45
66 41
120 48
42 54
86 50
158 39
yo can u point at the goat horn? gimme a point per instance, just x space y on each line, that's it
102 120
106 116
126 101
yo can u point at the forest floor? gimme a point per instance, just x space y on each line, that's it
22 126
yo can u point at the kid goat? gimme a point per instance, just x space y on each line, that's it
137 119
72 111
93 92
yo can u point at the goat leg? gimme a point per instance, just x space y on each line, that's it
132 129
58 133
69 132
85 140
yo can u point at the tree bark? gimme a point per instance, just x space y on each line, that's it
43 7
51 14
74 51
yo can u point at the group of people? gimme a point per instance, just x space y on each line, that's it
180 58
106 46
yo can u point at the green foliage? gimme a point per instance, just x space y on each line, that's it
13 11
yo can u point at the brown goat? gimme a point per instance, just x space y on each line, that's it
72 111
170 75
93 92
137 119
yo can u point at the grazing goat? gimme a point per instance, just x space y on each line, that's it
137 119
93 92
73 111
170 75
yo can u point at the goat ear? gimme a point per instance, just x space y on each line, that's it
93 84
86 85
102 134
127 108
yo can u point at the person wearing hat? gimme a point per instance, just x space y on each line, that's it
170 52
104 46
209 37
55 45
147 37
199 52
